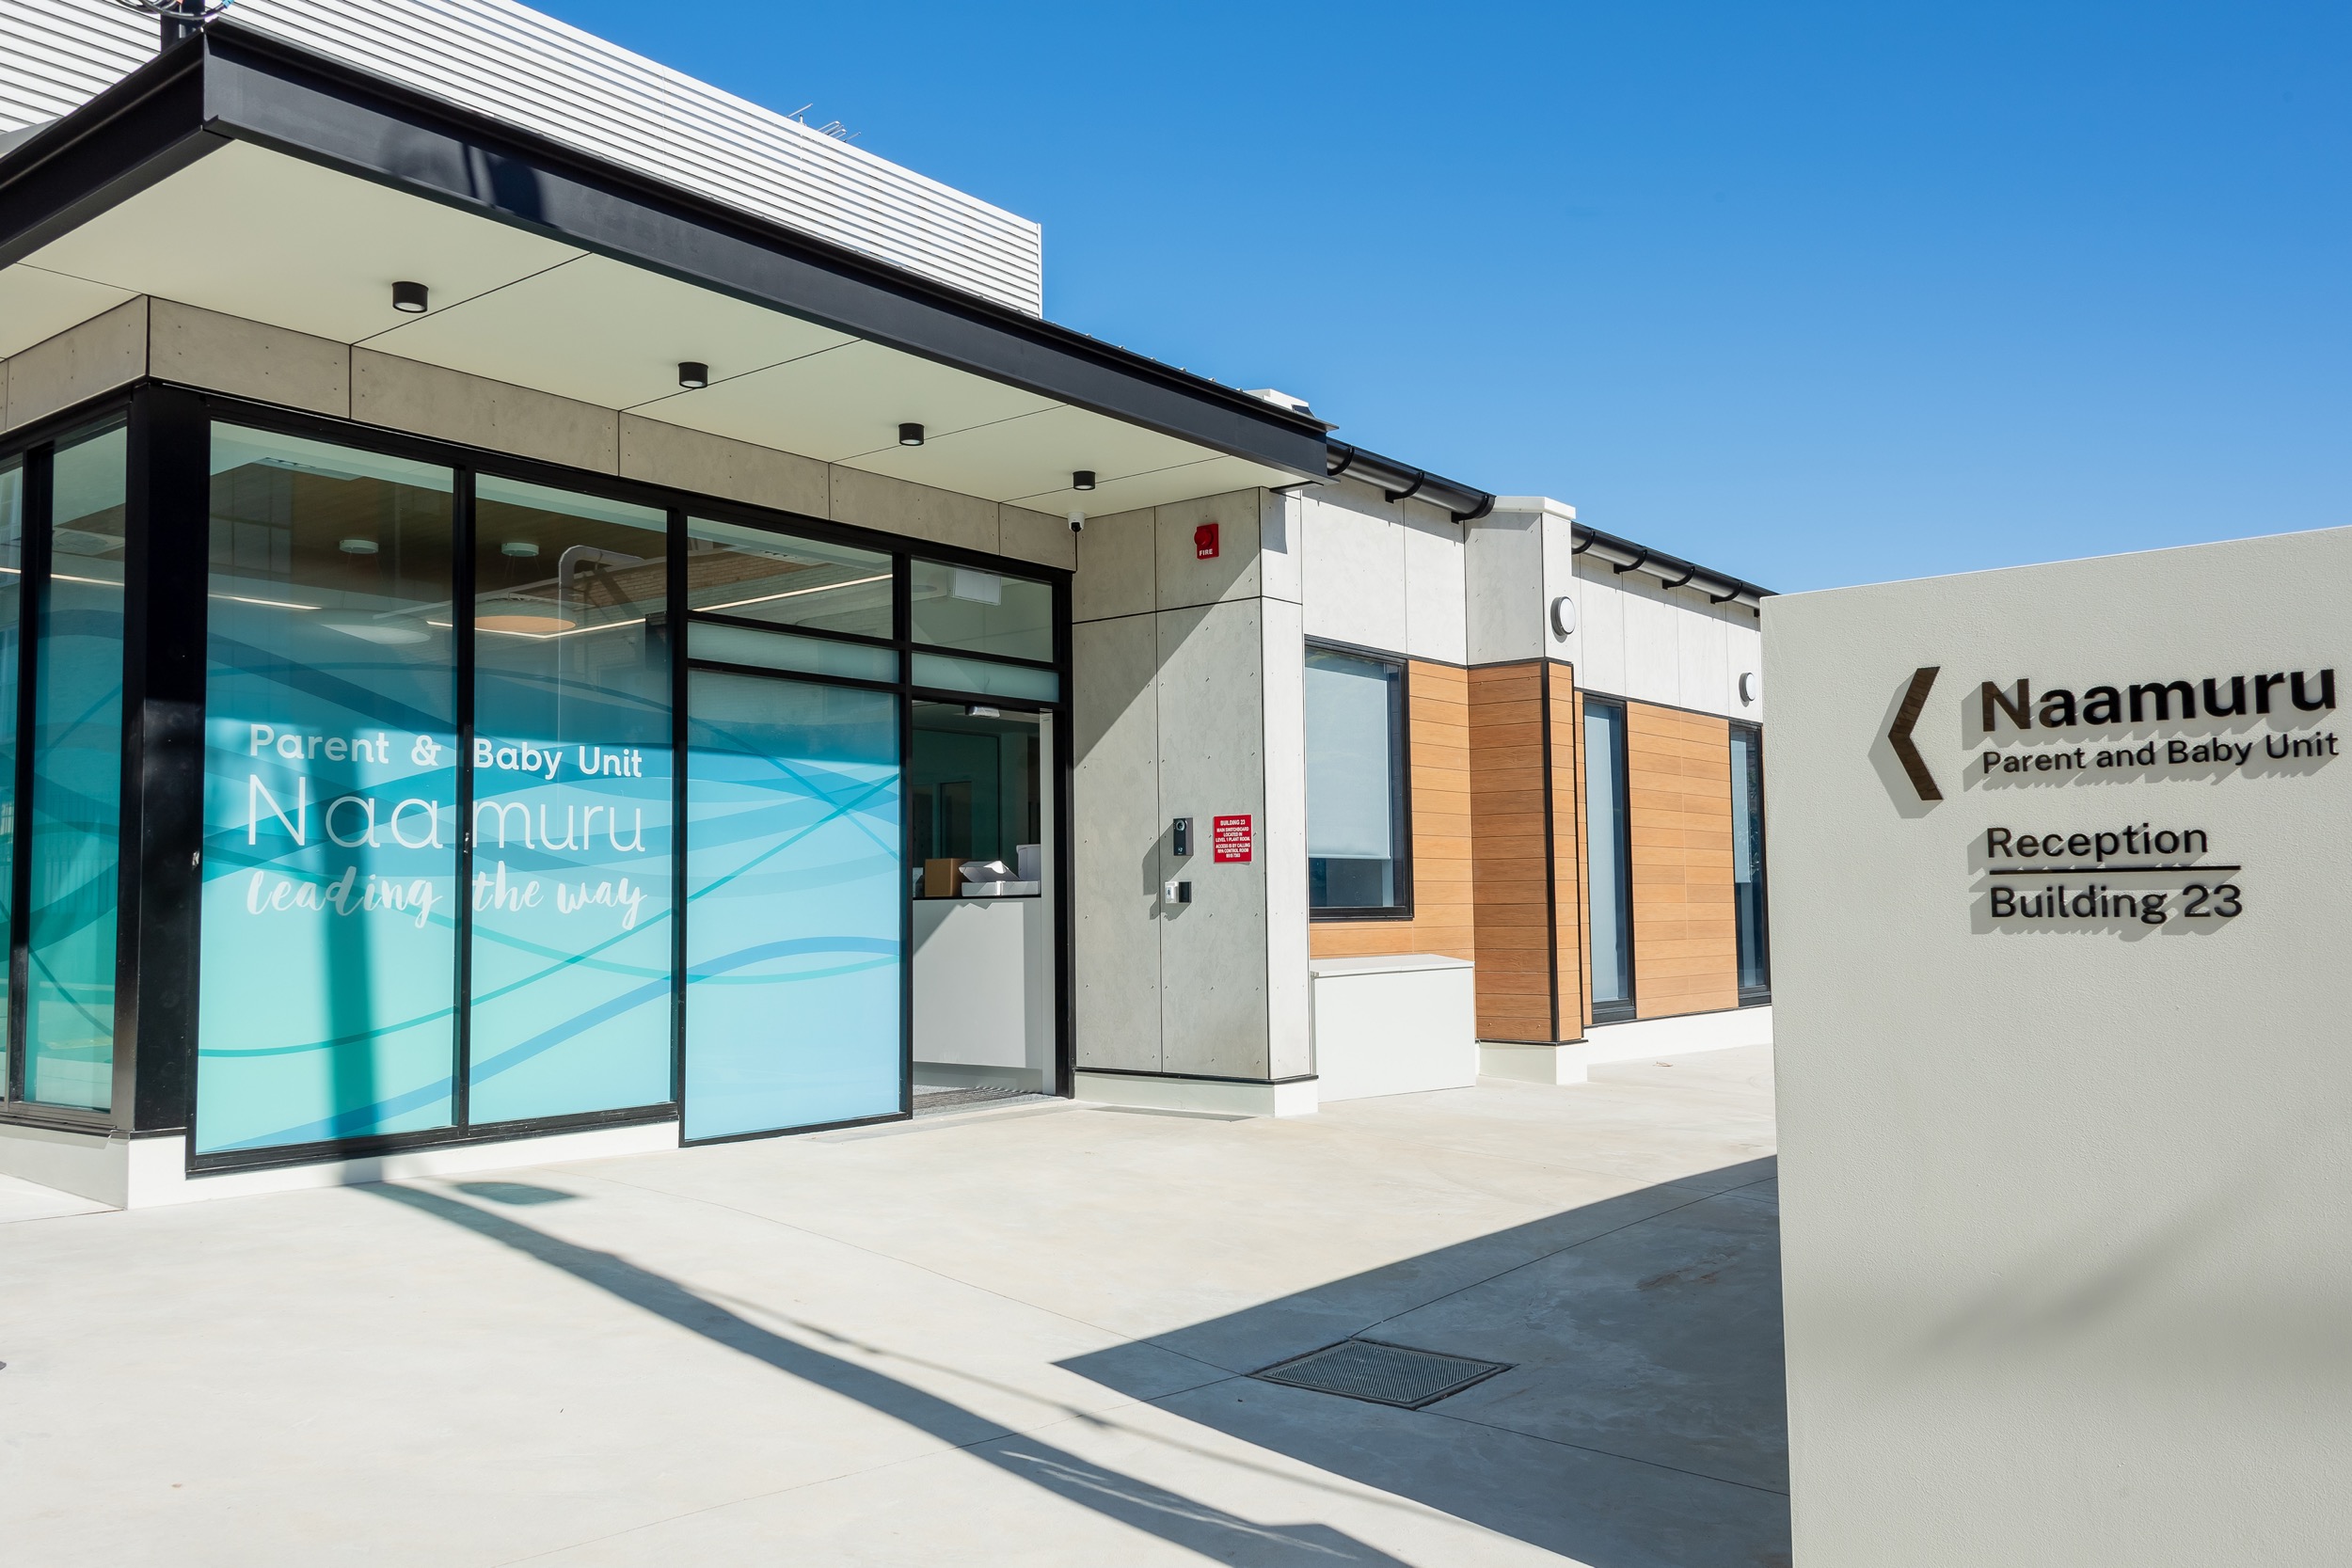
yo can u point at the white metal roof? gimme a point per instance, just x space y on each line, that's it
528 69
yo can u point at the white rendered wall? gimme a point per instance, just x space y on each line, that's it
1380 574
1630 637
2063 1204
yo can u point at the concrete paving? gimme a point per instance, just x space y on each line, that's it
1013 1335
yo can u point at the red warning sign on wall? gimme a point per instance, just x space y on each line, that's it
1204 542
1231 839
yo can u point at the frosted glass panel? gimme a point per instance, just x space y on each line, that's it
796 891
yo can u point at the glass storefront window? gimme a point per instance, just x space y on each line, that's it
76 806
11 612
1609 858
1747 860
976 792
572 790
752 574
328 971
981 612
1355 710
796 891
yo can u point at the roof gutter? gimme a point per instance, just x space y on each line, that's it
1624 555
1401 482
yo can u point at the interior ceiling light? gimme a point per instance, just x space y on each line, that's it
523 615
408 298
356 547
1082 480
382 633
519 550
693 374
910 435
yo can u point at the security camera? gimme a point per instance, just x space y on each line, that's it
1078 522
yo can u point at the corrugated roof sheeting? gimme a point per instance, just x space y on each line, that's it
515 64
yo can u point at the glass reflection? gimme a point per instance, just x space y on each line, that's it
572 805
328 965
982 612
76 806
753 575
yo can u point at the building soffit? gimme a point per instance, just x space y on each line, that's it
243 175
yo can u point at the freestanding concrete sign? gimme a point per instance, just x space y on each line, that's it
2061 899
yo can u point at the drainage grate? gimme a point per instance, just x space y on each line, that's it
1385 1374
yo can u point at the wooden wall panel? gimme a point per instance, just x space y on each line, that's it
1572 954
1685 937
1438 753
1508 821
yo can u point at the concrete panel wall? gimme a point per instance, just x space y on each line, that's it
103 352
1437 620
1117 842
1213 952
1217 988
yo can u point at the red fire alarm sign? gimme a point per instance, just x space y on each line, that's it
1230 839
1204 548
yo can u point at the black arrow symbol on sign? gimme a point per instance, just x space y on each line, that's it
1899 734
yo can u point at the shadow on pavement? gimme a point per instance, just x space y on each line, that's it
1643 1423
1179 1520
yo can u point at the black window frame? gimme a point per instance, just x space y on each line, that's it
1625 1008
1400 789
1756 995
158 935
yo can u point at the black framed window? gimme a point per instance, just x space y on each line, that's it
1359 863
1747 863
1608 859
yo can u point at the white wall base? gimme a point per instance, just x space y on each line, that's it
1625 1042
145 1173
1533 1064
1394 1026
1679 1036
1296 1099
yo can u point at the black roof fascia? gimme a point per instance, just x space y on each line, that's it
231 82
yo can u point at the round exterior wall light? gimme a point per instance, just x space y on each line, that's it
1082 478
409 298
910 435
1563 616
1747 687
692 375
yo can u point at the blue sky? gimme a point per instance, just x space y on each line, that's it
1816 293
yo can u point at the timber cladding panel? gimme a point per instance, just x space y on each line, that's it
1685 929
1437 741
1511 813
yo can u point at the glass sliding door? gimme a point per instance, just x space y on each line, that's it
330 904
1609 860
572 798
76 806
11 636
1747 861
796 898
